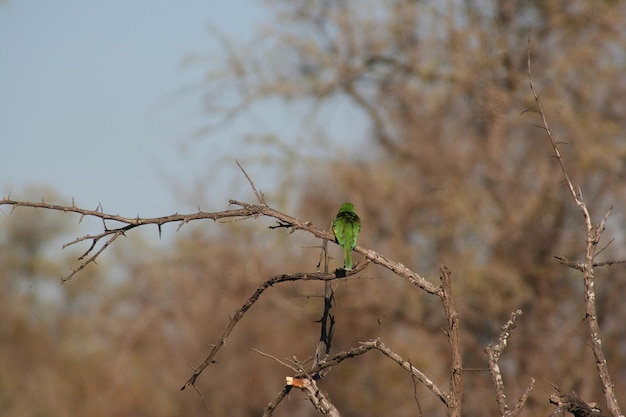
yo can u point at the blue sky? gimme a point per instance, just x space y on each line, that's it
90 101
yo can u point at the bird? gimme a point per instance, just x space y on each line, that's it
346 227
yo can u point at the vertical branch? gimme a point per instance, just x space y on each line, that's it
593 234
327 321
455 397
493 354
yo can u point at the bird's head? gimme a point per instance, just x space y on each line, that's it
346 207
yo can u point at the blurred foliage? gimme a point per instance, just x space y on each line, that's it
451 170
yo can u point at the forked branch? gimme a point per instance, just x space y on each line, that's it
493 354
242 311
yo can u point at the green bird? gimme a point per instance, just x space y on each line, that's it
346 227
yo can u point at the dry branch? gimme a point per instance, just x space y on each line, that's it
246 211
493 354
455 397
112 233
300 380
319 400
269 410
593 234
407 366
573 404
242 311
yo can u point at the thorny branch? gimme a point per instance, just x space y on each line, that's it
116 225
127 224
593 234
245 211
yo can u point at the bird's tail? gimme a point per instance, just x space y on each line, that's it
347 259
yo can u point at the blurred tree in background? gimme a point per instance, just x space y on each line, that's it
450 170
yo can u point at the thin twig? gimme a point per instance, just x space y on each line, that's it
283 363
258 195
407 366
269 410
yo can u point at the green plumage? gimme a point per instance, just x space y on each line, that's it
346 227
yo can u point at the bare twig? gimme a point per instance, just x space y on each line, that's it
258 195
269 410
206 404
493 354
415 397
283 363
407 366
580 266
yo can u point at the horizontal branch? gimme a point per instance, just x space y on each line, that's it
246 211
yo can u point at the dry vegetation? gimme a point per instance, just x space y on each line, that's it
455 170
